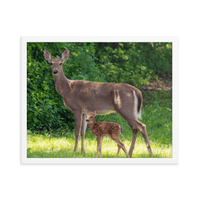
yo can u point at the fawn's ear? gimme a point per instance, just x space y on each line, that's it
65 55
47 55
96 112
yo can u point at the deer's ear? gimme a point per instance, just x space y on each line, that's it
65 55
85 111
47 55
97 112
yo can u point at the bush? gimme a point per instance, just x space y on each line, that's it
134 63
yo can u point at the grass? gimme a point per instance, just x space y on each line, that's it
156 114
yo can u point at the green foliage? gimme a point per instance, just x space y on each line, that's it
133 63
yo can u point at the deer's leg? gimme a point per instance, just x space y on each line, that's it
120 144
142 128
128 114
78 121
98 145
135 133
83 129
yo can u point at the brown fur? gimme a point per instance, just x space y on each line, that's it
106 97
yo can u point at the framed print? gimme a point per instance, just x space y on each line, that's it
99 100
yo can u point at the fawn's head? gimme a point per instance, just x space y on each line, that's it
56 64
90 116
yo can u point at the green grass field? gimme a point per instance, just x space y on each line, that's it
156 114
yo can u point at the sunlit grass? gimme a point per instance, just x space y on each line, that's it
46 146
158 119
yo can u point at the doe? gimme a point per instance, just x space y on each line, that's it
101 129
122 98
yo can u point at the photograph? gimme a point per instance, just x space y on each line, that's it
109 100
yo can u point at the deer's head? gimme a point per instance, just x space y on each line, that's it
56 64
90 116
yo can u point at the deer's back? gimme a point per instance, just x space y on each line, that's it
106 128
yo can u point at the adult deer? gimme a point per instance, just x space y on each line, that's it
106 97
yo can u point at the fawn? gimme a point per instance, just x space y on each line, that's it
101 129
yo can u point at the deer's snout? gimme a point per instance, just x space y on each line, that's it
55 71
87 120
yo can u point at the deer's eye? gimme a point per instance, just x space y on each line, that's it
91 117
60 63
51 63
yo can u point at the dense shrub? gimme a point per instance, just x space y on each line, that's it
134 63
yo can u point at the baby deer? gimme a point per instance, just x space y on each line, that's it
101 129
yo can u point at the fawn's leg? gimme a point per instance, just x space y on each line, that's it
116 139
101 145
118 150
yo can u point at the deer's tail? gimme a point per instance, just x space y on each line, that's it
120 129
137 103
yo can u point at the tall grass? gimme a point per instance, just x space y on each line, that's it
157 115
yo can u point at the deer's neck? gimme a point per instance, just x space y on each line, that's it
61 83
91 126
